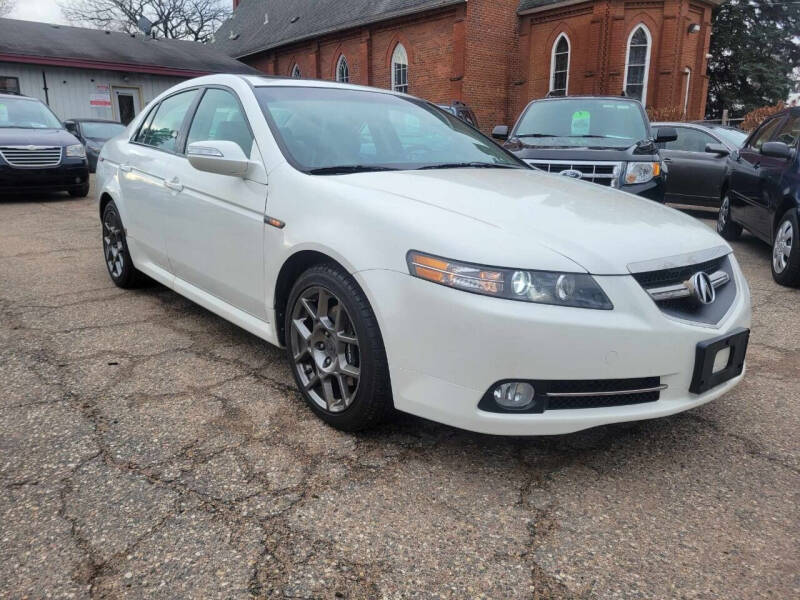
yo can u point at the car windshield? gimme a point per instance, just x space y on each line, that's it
582 122
24 113
734 137
97 130
334 130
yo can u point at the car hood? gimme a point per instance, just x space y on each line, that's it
36 137
601 229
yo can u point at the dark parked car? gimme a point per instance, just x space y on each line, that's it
698 161
93 133
762 193
605 140
462 111
36 153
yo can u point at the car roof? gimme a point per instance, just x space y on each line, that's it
20 96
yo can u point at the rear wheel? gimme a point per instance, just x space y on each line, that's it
786 250
336 351
115 250
725 226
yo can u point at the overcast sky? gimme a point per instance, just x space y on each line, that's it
46 11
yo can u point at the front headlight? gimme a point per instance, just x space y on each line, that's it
641 172
76 151
542 287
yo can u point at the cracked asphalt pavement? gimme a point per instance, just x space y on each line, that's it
149 449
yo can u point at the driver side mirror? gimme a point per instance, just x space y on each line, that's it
776 150
220 157
718 149
71 126
666 134
500 132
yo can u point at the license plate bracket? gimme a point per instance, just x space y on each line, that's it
704 377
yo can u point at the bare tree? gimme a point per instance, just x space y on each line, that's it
173 19
6 6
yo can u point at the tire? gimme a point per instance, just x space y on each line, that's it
115 251
786 250
725 225
337 356
80 192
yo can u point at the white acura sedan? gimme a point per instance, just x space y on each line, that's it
406 261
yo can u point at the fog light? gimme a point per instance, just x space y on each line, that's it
516 395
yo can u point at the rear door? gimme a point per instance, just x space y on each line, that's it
145 173
695 176
215 237
747 204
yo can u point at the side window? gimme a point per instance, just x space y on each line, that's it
790 132
145 128
163 130
219 118
764 134
689 140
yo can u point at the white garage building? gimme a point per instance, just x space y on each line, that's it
89 73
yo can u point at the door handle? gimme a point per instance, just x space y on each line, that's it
667 160
125 168
174 185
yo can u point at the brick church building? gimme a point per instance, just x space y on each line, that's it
495 55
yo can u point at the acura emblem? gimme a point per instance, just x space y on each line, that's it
572 173
702 289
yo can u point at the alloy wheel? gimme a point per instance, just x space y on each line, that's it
782 248
325 349
112 244
724 212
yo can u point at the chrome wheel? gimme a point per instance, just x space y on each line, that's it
325 349
724 214
112 244
782 248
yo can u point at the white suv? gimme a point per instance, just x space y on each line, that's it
404 260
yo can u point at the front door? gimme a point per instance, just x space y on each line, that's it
215 232
747 200
127 103
695 176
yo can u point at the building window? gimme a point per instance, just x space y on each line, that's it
9 85
342 70
296 72
400 69
559 67
637 65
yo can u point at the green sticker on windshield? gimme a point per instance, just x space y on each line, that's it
580 122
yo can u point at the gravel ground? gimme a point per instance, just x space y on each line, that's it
149 449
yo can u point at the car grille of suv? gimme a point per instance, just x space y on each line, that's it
669 289
604 173
31 156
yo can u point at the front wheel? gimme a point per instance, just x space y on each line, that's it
80 192
725 225
786 251
335 350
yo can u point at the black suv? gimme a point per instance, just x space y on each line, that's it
605 140
762 193
36 153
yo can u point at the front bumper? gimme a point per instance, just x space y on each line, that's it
69 175
447 347
652 190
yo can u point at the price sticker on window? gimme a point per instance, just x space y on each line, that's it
581 120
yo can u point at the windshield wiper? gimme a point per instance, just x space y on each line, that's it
537 135
345 169
468 165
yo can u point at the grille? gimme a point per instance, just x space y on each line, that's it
585 393
603 173
677 274
31 157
